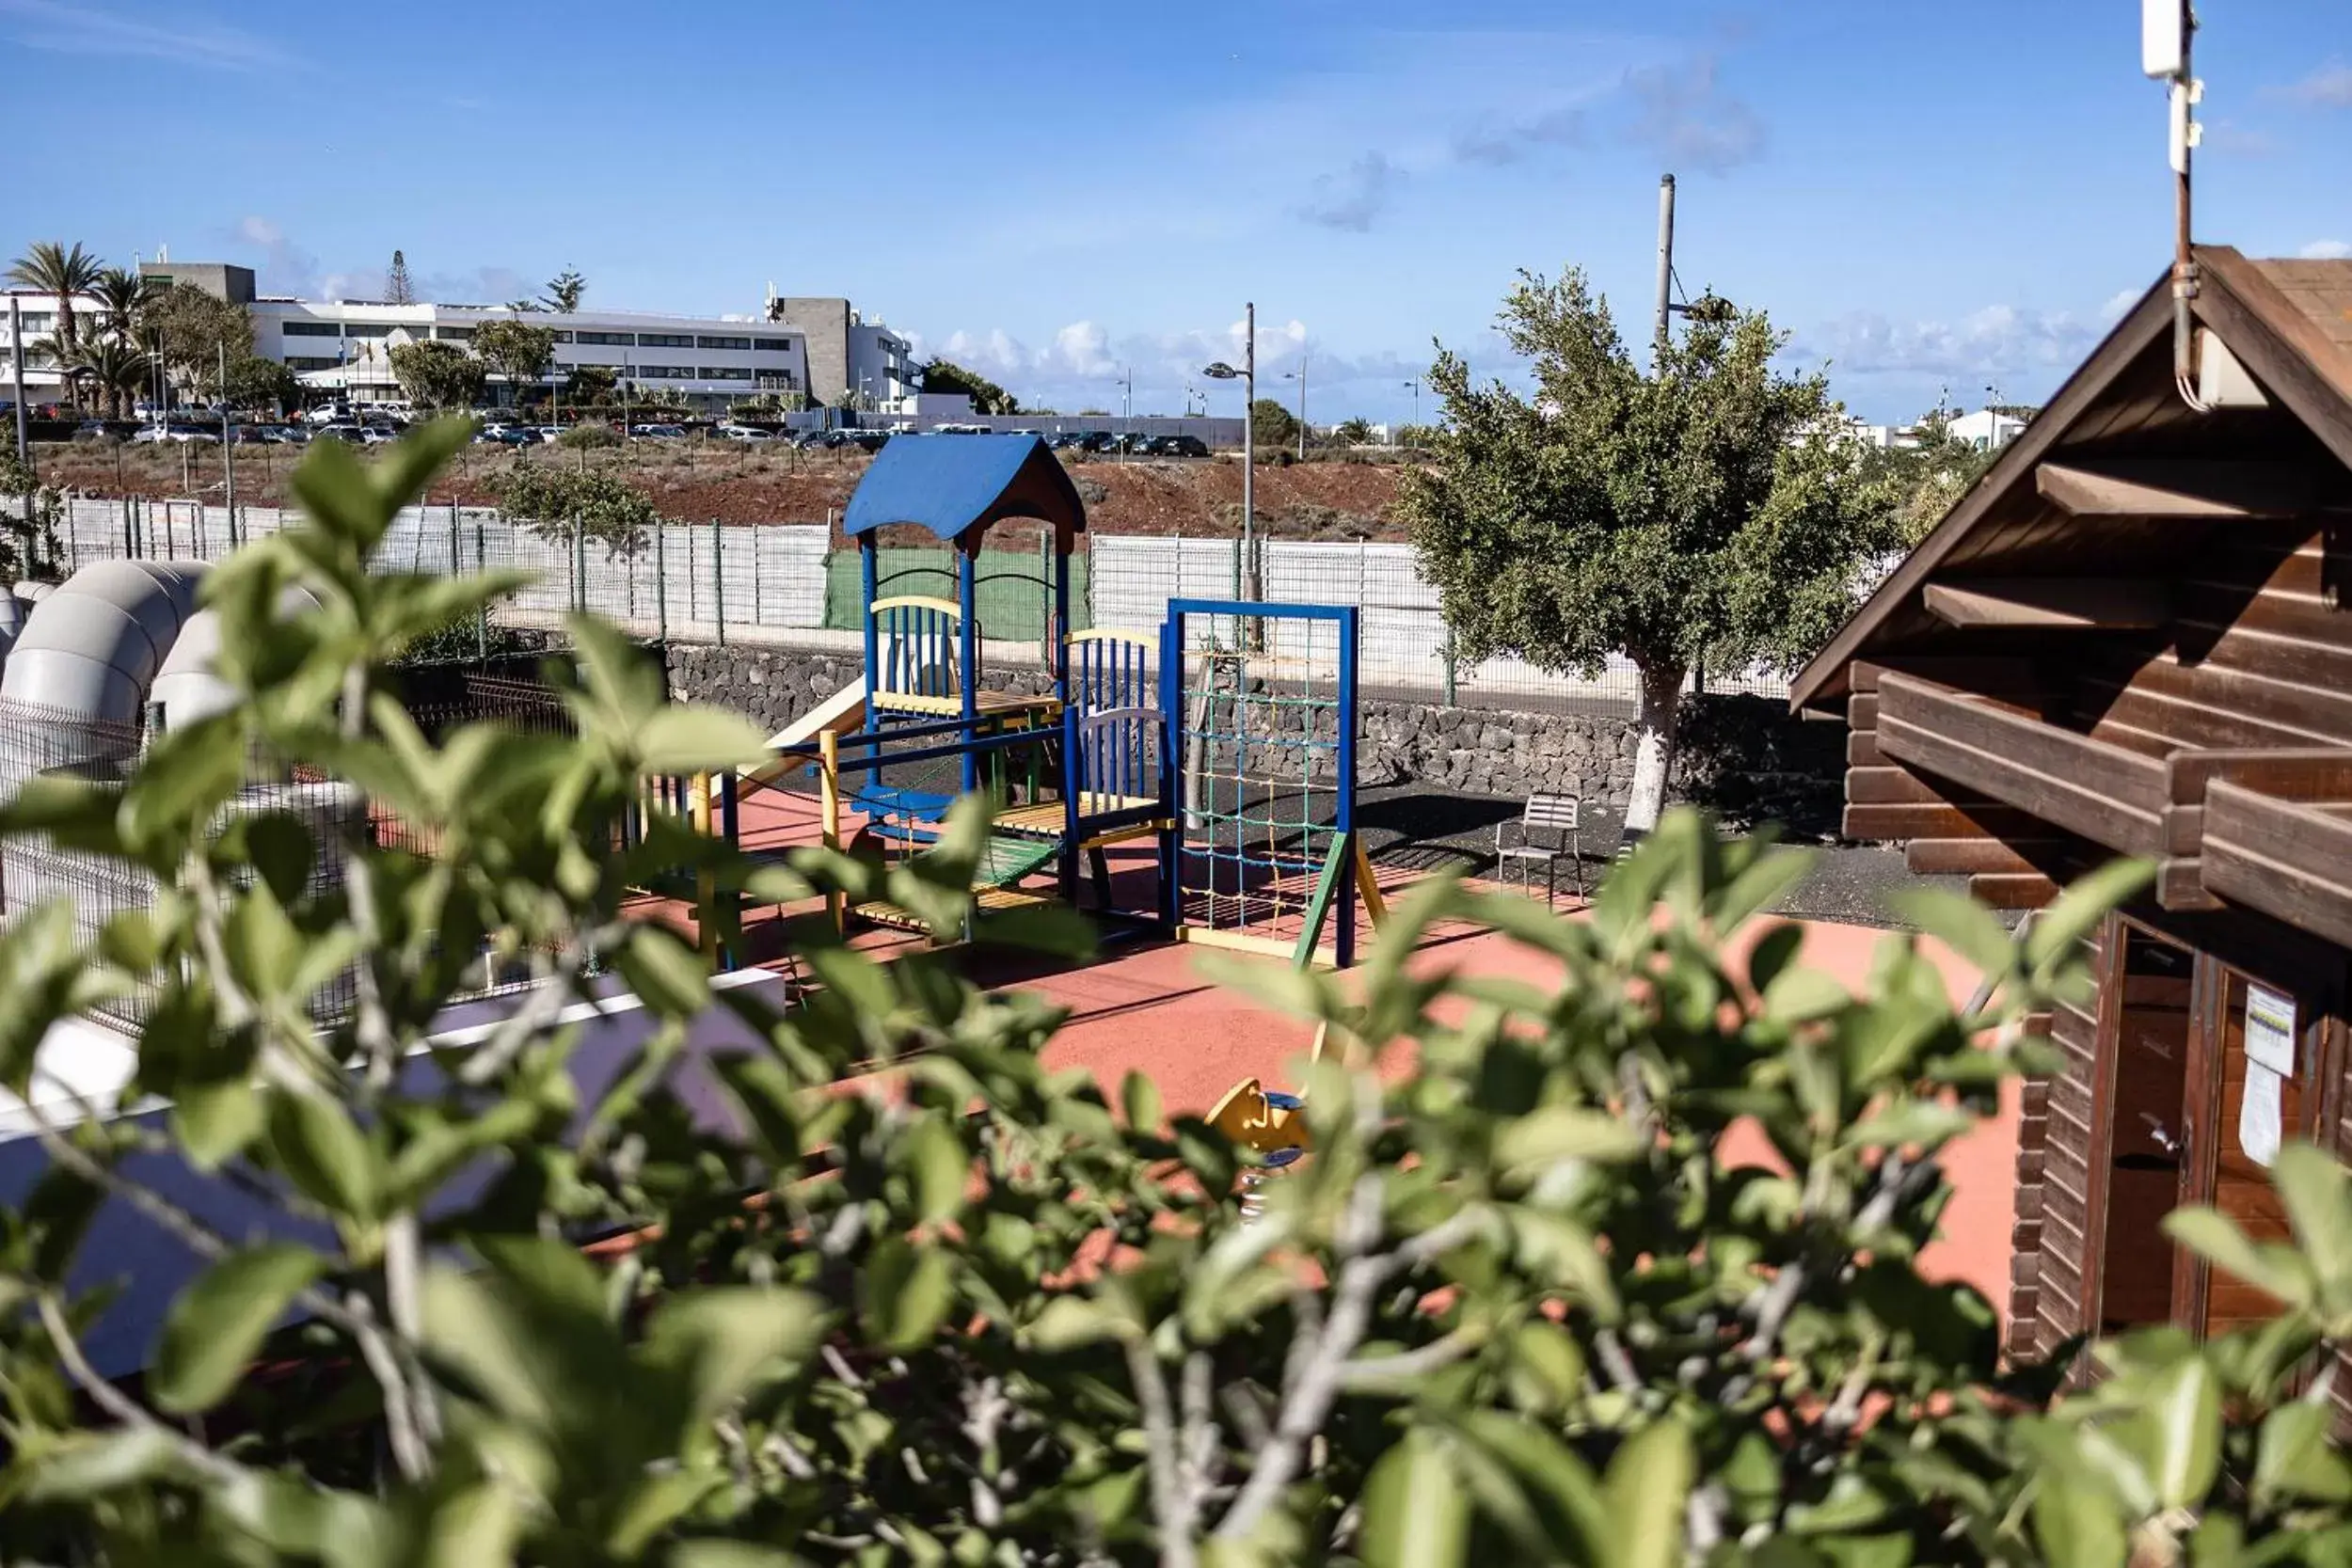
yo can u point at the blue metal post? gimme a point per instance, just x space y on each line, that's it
869 568
1061 619
1171 776
1345 939
967 602
1072 779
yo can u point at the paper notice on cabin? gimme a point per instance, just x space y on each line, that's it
2269 1061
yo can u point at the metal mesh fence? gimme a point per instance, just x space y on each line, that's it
36 741
783 582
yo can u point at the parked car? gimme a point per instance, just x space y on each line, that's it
329 413
177 431
745 432
546 432
342 431
509 436
1095 440
868 440
285 435
1178 446
660 432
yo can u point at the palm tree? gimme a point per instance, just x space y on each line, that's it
53 269
116 369
123 296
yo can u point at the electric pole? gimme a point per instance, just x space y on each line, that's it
1665 266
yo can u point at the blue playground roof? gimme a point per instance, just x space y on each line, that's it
958 485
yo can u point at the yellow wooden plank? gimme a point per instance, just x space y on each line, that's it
1237 941
1051 817
1368 888
919 601
1121 835
947 706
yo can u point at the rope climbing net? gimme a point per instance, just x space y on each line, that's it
1266 699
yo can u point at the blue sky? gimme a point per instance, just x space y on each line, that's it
1925 196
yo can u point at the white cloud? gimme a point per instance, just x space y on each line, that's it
1682 112
2327 250
2330 86
286 268
1997 342
85 29
1352 198
2120 302
1083 349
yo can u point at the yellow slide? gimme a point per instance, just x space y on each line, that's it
841 713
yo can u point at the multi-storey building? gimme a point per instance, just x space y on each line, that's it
344 346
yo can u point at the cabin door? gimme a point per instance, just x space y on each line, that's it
2204 1071
2145 1059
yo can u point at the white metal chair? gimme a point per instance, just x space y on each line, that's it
1547 834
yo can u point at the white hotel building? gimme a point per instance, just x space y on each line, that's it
344 346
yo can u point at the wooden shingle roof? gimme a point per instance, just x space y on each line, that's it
2289 322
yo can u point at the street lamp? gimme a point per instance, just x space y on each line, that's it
1414 387
1245 568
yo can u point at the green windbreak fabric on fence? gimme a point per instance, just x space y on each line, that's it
1015 593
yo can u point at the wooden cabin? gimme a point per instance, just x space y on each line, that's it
2130 637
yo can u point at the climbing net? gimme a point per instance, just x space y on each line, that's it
1267 765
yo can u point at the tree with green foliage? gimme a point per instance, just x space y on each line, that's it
1929 474
124 298
918 1297
50 267
259 382
517 352
1355 433
946 375
192 330
30 510
437 375
1709 510
593 384
112 368
398 289
1272 427
564 291
564 503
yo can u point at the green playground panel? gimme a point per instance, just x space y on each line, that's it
1012 593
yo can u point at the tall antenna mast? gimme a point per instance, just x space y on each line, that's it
2167 31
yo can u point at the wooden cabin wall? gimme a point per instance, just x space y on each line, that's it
2258 653
2054 1146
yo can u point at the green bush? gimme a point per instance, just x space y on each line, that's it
1514 1307
588 433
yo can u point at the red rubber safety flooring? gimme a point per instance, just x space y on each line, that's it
1146 1006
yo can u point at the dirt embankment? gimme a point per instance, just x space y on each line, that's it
1196 498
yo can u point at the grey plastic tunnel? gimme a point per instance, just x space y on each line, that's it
11 624
93 647
187 688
